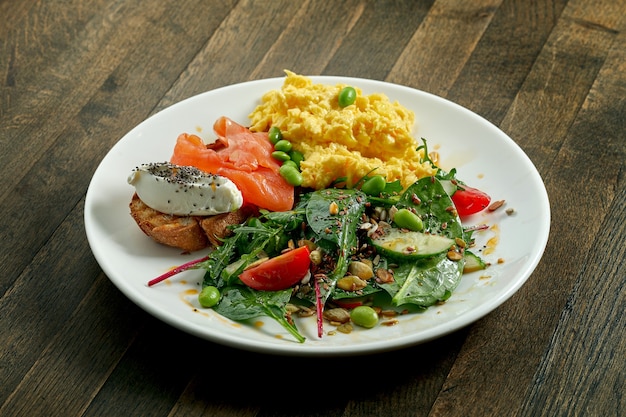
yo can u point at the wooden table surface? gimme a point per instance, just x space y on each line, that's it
75 76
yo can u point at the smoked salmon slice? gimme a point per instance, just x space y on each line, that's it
242 156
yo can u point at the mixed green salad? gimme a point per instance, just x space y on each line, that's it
354 251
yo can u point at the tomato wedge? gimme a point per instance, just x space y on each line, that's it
280 272
469 200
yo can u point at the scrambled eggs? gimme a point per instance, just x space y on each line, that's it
371 136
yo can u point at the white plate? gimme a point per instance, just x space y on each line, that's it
484 156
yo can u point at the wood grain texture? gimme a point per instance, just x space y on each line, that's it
436 55
76 75
598 293
519 343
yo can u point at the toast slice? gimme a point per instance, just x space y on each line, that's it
189 233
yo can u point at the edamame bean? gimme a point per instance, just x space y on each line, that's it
274 135
291 162
209 296
280 155
364 316
296 157
282 145
406 219
291 175
374 185
347 96
254 222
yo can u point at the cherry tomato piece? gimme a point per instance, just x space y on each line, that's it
469 200
280 272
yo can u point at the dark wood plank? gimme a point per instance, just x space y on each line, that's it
42 60
290 42
153 372
85 116
40 304
436 55
16 11
377 38
504 56
311 39
582 371
278 36
32 38
554 84
77 360
503 351
232 53
411 390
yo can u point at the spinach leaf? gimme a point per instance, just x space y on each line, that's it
424 282
431 202
338 227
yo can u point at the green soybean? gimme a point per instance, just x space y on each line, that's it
282 145
374 185
406 219
280 155
291 175
209 296
274 135
347 96
254 222
364 316
296 157
291 162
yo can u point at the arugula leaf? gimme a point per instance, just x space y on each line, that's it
267 234
258 236
242 303
218 260
440 174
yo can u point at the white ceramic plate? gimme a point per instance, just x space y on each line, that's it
484 156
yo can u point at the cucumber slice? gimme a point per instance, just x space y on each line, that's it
448 187
401 244
473 262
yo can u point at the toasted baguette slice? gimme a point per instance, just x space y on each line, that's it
180 232
189 233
